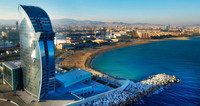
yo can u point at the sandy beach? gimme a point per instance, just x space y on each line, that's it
83 59
179 38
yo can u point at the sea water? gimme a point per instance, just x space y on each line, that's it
174 57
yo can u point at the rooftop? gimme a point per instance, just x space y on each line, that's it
72 75
13 64
38 12
73 87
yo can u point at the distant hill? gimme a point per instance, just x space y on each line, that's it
75 22
7 22
88 22
72 22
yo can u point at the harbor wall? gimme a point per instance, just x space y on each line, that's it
129 92
119 89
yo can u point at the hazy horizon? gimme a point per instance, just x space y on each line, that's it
174 12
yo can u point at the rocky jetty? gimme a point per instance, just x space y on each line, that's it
134 91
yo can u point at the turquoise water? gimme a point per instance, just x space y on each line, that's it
175 57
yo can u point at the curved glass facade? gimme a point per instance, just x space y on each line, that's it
37 51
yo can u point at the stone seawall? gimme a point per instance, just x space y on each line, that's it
134 91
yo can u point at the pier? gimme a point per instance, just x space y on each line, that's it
133 92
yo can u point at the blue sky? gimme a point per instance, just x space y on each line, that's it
147 11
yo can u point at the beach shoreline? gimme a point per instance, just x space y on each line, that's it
84 59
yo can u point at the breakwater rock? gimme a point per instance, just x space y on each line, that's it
134 91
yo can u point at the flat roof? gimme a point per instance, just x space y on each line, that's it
73 87
13 64
71 76
77 86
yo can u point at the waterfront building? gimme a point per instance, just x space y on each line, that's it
199 30
167 27
59 39
74 38
12 74
103 32
143 34
75 82
73 77
37 51
65 46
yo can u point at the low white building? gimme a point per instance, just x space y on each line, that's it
73 77
74 82
59 39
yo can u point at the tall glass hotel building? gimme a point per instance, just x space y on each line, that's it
37 51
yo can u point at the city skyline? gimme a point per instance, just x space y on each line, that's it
97 53
179 12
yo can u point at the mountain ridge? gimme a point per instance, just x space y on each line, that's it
66 21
